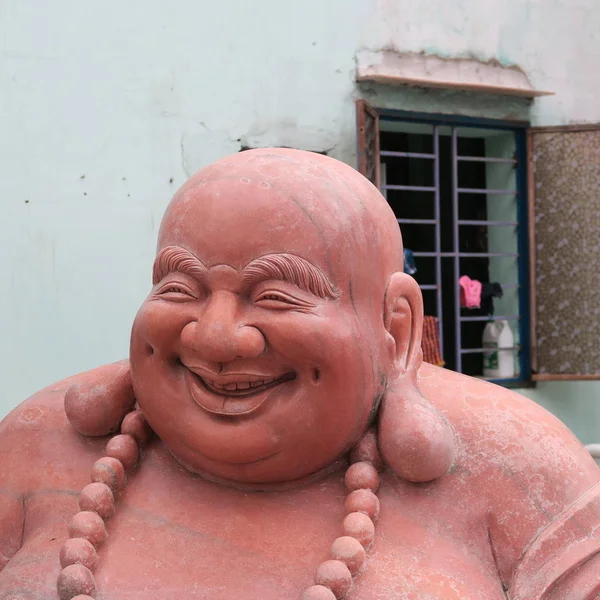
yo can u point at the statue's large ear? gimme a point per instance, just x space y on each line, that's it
97 404
414 438
403 319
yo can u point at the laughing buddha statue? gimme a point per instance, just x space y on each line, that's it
275 433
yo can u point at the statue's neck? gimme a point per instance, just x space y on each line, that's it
282 486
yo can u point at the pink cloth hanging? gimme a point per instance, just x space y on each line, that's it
470 292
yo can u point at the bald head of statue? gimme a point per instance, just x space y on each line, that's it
280 326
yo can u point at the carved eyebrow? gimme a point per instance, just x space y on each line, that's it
293 269
175 258
285 267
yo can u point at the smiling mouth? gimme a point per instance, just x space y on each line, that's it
244 389
230 398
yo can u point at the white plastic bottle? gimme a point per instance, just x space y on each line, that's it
498 358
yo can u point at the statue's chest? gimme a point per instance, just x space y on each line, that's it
174 536
274 556
204 541
222 544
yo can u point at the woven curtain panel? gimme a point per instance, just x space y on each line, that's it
566 167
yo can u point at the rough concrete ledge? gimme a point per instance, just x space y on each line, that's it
422 70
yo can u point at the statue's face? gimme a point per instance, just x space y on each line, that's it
249 357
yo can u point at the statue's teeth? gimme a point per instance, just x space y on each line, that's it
241 385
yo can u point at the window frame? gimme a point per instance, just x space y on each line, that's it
520 129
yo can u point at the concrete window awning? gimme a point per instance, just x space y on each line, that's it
429 71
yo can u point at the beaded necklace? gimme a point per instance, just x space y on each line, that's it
87 530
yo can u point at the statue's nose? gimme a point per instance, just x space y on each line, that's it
219 335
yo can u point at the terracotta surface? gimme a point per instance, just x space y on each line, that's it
280 328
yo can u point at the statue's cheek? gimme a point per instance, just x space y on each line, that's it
308 336
160 323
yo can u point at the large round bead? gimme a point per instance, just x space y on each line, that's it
367 450
350 551
110 471
75 580
97 497
318 592
359 526
362 476
124 448
363 501
88 525
334 574
78 551
135 425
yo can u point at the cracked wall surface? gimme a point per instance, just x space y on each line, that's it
106 108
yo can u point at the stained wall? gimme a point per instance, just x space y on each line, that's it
106 108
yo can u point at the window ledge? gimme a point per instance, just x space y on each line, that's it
512 383
429 71
565 377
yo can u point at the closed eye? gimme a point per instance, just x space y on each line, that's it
279 301
176 292
273 297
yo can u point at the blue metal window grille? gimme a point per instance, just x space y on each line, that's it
444 228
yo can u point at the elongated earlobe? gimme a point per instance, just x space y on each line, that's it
414 438
97 406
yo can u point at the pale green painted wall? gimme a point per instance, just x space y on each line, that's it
102 104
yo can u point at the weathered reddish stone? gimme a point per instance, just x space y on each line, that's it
361 476
96 406
88 525
366 450
110 471
75 580
97 497
79 551
318 592
135 425
124 448
359 526
281 331
350 551
364 501
334 574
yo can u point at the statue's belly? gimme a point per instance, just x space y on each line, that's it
415 572
174 536
161 559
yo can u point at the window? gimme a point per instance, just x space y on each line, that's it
463 190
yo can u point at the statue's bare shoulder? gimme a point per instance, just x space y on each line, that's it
36 437
500 431
36 443
540 469
42 411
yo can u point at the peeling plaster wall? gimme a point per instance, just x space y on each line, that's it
106 107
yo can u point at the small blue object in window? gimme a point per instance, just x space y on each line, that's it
409 262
